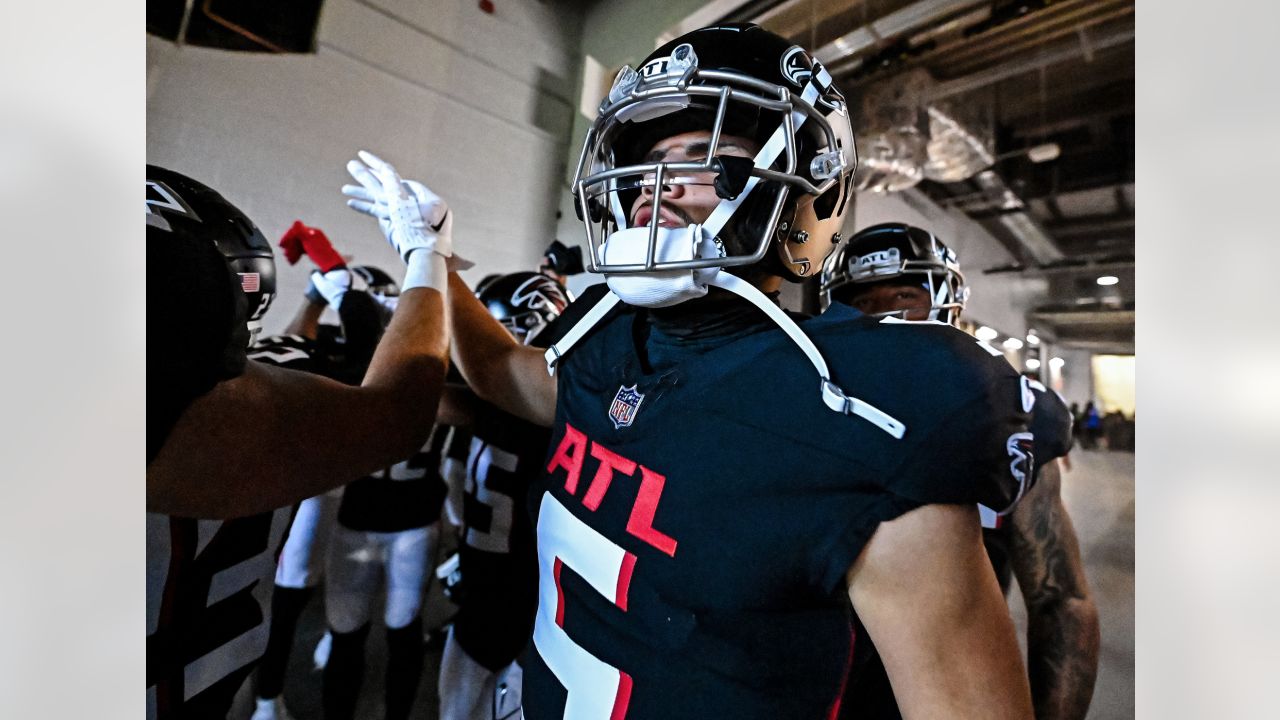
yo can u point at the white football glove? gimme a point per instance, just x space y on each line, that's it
329 287
411 216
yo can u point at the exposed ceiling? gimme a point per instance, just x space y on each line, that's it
1043 72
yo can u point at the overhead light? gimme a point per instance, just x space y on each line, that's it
1012 344
985 333
1108 280
1056 363
1044 153
1033 339
1037 154
1033 364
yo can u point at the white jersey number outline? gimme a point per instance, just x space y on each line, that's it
596 690
485 458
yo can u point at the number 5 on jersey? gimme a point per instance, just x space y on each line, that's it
596 690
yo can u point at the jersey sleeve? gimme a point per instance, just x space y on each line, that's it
1050 426
196 329
979 451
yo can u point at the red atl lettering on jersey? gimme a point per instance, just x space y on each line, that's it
570 455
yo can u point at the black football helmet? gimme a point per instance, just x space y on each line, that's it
900 254
524 302
784 207
180 205
376 280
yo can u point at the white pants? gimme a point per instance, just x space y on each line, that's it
302 559
358 563
469 691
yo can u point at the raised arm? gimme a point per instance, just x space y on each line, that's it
271 437
925 591
1062 620
306 322
510 375
308 434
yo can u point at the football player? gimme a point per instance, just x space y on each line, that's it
479 676
383 543
233 443
722 480
341 353
388 525
899 271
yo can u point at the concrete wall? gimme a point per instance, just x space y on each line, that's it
477 106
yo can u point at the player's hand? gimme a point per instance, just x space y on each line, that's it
329 287
302 239
411 216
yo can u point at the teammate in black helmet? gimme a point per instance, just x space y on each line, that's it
233 442
722 478
524 302
480 678
902 271
894 268
216 420
358 296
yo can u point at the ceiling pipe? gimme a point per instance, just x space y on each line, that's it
895 23
1005 71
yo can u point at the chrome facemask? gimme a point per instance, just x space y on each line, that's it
672 84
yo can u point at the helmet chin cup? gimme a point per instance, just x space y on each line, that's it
641 248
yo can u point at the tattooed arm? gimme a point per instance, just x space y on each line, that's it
1062 620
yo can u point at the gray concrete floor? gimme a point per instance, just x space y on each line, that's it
1098 493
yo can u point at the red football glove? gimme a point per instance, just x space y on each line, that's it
301 239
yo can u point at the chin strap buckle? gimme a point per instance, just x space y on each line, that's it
836 399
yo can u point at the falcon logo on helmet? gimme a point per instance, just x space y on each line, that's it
524 302
162 198
794 67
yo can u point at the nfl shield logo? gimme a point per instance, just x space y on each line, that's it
625 405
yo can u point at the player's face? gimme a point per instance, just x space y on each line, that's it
893 298
686 204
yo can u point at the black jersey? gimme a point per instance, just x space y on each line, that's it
1051 431
196 332
405 496
701 506
504 456
209 591
1050 425
287 351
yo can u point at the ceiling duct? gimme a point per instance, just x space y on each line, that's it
892 134
904 141
962 138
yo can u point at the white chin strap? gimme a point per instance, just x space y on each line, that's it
673 287
667 287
